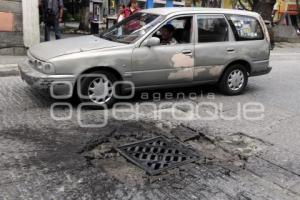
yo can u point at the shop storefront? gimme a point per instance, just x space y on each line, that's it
286 12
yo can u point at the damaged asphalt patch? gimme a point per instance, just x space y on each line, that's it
60 164
223 161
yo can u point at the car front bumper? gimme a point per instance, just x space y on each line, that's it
40 80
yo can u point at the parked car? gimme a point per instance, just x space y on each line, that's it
207 45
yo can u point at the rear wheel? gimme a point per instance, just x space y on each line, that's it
234 80
97 89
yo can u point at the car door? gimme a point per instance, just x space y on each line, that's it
212 46
166 64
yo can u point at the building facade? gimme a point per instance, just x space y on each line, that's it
19 26
11 27
19 19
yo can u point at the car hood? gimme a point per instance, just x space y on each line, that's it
48 50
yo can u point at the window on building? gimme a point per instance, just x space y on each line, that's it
245 27
212 28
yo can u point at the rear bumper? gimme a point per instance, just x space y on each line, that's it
40 80
260 68
262 72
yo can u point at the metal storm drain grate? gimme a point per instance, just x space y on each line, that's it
157 154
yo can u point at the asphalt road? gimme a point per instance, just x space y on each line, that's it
279 93
42 158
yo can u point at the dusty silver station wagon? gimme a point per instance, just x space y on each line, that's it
160 47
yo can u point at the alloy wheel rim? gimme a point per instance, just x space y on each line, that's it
100 90
236 80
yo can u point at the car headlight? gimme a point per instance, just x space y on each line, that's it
48 68
45 67
41 66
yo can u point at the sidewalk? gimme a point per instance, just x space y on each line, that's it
9 65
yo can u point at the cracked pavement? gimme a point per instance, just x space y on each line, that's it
46 159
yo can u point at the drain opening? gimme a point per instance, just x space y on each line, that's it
158 154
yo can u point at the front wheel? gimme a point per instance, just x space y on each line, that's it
234 80
97 89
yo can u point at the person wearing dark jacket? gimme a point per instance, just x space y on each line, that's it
53 13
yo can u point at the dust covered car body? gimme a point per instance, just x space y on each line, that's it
205 45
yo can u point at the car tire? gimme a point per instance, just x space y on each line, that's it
234 80
96 89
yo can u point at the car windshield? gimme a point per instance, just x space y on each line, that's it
132 28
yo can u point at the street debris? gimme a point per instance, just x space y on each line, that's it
157 154
242 144
184 134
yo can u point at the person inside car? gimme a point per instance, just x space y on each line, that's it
167 32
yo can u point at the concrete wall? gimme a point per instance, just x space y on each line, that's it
11 28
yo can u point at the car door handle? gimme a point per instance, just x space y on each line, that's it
230 50
187 52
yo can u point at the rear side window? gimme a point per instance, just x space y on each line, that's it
212 28
245 27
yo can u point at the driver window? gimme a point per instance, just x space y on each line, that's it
175 31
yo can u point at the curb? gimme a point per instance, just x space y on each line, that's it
9 70
288 40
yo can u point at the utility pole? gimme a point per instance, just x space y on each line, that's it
31 25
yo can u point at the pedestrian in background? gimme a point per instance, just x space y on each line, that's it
53 14
121 14
131 8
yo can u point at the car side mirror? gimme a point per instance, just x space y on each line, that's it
153 41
